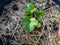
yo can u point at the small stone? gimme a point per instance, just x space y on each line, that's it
55 28
47 3
14 7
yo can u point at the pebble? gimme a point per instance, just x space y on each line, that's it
55 28
14 7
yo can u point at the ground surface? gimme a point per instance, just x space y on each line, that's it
13 33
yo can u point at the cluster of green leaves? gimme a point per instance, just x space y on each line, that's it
32 16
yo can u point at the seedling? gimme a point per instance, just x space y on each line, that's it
32 16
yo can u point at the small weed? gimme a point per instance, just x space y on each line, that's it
32 16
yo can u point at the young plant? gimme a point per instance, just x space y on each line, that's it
32 16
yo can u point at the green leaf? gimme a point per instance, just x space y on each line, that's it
38 25
37 12
34 10
40 17
27 13
25 21
42 13
30 6
33 21
29 28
